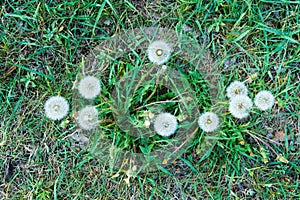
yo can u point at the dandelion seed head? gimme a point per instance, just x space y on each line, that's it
208 122
236 88
240 105
89 87
88 117
159 52
56 108
165 124
264 100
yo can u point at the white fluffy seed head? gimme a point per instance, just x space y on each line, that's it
165 124
89 87
264 100
240 105
236 88
159 52
56 108
88 117
208 122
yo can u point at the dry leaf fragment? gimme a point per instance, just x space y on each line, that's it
282 159
9 71
279 136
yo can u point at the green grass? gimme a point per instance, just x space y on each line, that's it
43 47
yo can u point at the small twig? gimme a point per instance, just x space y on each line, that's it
191 135
257 138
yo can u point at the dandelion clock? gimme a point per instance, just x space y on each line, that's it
56 108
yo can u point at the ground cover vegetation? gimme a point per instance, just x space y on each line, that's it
45 141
